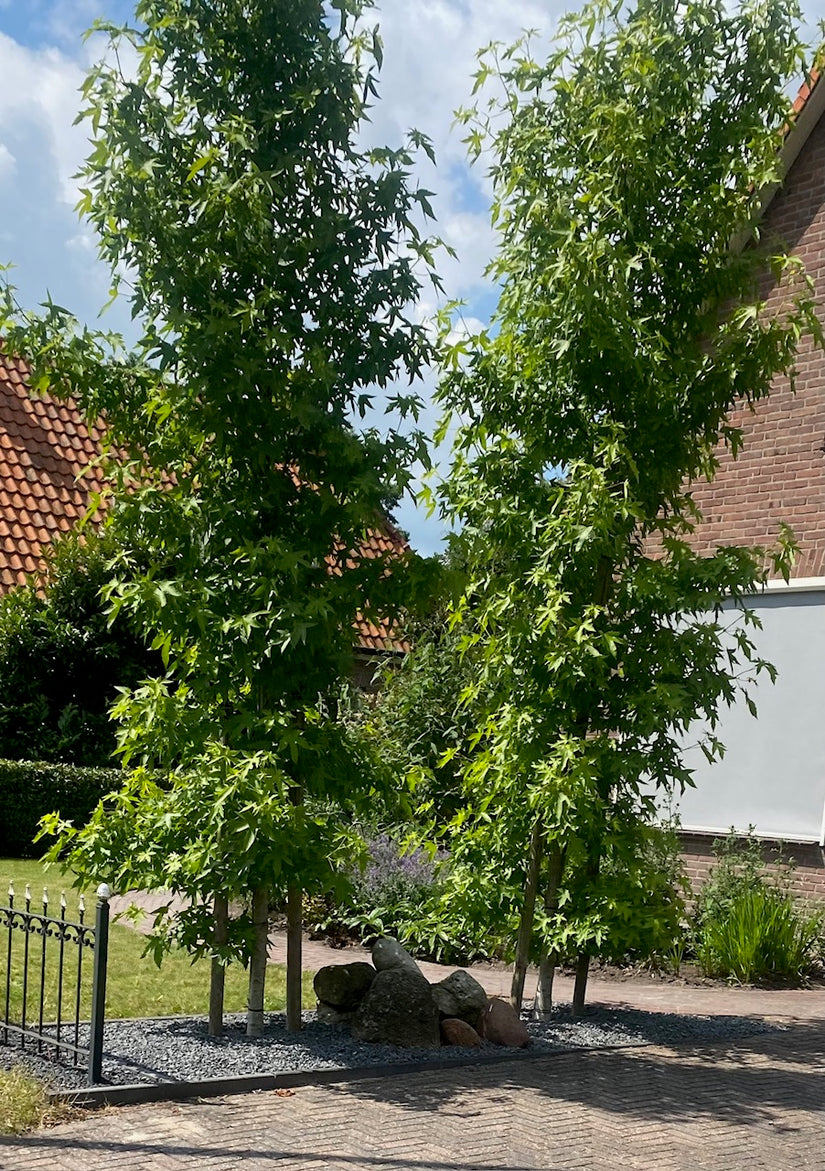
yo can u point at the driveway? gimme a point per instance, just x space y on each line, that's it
759 1103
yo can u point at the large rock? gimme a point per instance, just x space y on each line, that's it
336 1018
458 1032
343 985
398 1010
460 995
502 1025
388 955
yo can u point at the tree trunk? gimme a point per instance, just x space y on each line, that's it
220 912
604 582
294 972
257 963
294 932
525 931
543 1004
580 987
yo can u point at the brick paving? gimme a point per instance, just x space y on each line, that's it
651 995
759 1103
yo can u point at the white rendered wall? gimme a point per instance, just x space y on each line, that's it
772 776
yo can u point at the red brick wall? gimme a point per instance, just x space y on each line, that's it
808 860
779 475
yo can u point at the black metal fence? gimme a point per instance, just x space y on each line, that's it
47 973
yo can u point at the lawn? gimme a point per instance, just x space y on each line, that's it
135 986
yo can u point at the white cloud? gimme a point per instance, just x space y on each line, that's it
7 162
429 59
40 93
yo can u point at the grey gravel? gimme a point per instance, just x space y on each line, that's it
178 1049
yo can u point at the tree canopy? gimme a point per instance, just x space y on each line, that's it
270 264
628 326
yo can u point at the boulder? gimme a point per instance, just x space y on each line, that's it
335 1017
398 1010
458 1032
343 985
388 955
460 995
503 1026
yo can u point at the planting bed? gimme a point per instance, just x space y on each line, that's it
178 1050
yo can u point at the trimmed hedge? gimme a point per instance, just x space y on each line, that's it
31 789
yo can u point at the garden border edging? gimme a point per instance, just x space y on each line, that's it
139 1093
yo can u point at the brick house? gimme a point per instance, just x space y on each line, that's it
773 774
46 482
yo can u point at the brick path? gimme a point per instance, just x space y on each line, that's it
757 1104
651 995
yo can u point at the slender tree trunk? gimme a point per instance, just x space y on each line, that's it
257 963
220 912
294 938
580 987
601 593
543 1003
525 931
583 962
294 972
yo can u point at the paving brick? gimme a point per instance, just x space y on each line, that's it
756 1104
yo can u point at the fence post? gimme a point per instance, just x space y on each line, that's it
101 955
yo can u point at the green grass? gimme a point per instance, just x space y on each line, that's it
135 987
23 1103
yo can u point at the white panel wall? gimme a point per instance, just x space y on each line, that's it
773 773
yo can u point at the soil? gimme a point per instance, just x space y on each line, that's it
689 974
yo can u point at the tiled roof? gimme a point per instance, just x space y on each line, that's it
385 636
805 91
45 446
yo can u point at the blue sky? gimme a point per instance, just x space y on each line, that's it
429 48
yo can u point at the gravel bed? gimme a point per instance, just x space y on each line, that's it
179 1050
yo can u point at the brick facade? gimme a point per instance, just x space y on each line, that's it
806 859
779 475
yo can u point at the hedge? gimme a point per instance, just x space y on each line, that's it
29 790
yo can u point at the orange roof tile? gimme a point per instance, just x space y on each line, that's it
805 90
44 447
40 460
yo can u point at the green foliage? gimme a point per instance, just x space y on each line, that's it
23 1102
416 719
746 925
61 661
738 870
627 328
390 892
271 263
30 791
760 935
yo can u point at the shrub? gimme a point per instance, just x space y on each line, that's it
397 892
62 659
746 925
29 790
760 936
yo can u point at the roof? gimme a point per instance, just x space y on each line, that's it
45 448
808 108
